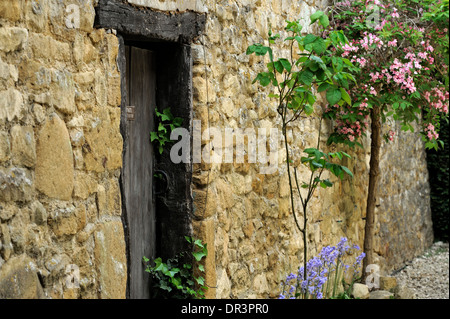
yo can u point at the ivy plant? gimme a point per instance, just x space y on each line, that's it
166 123
177 279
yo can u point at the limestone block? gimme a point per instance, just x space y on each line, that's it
10 10
360 291
54 172
5 147
39 212
225 194
84 78
113 197
6 245
68 221
40 45
388 283
11 105
8 71
260 284
84 185
18 229
100 88
15 184
63 92
36 14
199 86
205 204
110 260
104 150
223 285
226 106
114 94
18 280
12 39
23 145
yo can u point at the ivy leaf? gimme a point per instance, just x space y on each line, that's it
323 19
309 109
198 255
346 96
306 77
323 87
345 169
278 66
333 96
153 136
315 16
309 38
286 64
319 46
200 280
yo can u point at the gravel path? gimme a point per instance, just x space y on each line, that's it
427 275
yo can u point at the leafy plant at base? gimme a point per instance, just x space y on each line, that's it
166 124
177 279
295 79
324 273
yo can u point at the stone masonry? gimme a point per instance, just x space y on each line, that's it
61 155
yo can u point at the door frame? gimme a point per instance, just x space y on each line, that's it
170 37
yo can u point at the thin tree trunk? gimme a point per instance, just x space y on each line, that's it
374 173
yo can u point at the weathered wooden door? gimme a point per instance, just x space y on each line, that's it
138 166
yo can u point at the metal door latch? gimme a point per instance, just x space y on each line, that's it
130 113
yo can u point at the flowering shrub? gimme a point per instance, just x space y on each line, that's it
323 273
401 50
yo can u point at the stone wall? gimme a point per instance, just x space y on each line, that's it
61 154
247 221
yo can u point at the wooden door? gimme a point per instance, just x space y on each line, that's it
138 166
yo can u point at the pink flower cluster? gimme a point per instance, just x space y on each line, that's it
395 14
369 40
431 133
351 130
349 48
438 99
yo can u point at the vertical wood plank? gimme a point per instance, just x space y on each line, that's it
138 162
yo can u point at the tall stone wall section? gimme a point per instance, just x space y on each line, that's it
61 154
247 220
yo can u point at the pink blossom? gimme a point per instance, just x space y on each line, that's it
392 43
391 135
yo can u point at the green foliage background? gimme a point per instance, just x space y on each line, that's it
438 168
